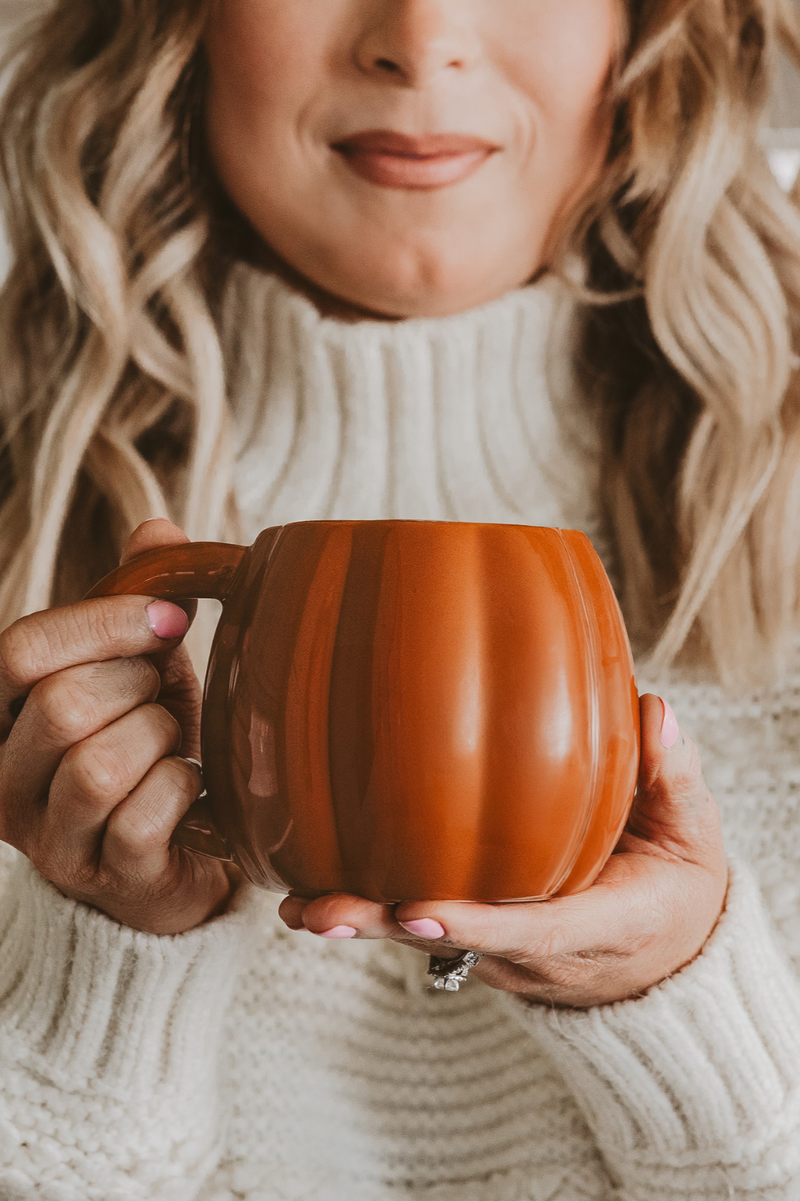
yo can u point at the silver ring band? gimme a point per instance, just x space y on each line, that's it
449 974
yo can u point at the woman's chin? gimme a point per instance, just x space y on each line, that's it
395 266
388 299
379 289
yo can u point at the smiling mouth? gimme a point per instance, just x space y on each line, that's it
396 160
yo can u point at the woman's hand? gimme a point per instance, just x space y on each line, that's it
648 913
96 700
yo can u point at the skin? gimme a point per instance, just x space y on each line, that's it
290 79
95 706
91 786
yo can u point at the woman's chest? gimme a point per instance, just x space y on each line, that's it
343 1066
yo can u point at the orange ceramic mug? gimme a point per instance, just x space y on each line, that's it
409 710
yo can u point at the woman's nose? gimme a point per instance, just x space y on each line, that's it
413 41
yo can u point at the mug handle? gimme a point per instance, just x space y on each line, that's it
190 571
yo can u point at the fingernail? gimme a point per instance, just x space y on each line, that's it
167 620
425 928
340 932
669 727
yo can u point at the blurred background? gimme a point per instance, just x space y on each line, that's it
781 136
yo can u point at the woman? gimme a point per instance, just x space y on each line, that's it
279 259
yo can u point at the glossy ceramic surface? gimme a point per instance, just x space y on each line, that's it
410 710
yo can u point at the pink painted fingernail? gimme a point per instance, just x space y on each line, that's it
669 727
424 928
167 620
340 932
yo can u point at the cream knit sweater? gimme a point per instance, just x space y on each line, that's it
242 1061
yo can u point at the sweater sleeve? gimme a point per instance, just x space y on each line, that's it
109 1042
693 1091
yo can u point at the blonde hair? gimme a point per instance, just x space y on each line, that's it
113 388
694 366
113 404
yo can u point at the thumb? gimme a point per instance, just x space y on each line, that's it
158 531
152 535
673 812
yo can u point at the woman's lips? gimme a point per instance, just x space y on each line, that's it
395 160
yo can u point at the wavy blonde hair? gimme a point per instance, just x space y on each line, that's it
113 402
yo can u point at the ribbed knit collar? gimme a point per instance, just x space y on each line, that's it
448 418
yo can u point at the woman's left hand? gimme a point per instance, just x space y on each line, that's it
648 913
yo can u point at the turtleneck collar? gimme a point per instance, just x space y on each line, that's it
447 418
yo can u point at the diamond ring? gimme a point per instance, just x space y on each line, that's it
450 974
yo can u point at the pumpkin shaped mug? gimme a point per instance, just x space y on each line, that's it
409 710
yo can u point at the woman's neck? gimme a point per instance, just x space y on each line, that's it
449 418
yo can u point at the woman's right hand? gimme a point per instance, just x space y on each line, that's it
96 700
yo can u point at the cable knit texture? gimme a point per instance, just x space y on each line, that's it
242 1062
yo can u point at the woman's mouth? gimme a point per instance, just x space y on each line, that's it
395 160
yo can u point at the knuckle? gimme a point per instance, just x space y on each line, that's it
150 674
160 730
65 712
140 832
124 683
107 621
146 827
138 675
132 834
133 829
97 771
31 646
684 784
22 654
106 768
